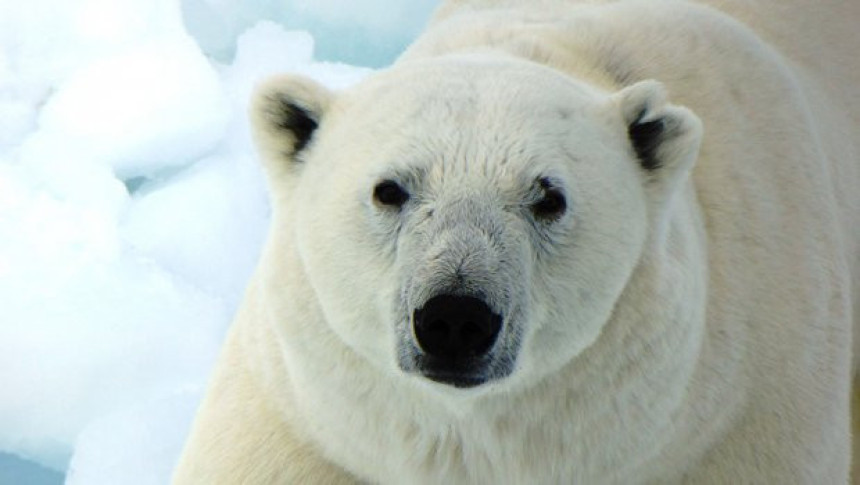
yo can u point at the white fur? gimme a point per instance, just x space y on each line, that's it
691 323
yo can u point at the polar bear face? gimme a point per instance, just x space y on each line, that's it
470 223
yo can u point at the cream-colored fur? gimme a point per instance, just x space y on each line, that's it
689 323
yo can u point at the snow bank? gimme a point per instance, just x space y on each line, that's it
149 108
138 445
89 324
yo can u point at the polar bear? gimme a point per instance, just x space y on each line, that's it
556 242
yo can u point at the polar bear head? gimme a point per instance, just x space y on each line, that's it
468 222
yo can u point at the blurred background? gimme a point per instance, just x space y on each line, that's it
132 209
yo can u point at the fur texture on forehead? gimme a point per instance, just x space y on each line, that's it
469 119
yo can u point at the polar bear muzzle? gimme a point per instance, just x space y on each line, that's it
455 332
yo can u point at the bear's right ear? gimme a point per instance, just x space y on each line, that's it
664 138
285 113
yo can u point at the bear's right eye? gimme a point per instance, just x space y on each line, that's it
389 193
552 203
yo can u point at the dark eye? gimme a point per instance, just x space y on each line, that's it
390 193
551 205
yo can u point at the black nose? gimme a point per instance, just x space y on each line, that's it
454 327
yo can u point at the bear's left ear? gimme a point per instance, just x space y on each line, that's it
285 114
665 138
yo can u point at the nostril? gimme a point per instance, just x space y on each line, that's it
456 326
437 331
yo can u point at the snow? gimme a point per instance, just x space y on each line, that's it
135 107
156 431
363 32
133 209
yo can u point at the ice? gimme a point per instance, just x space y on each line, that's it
45 41
88 325
18 103
216 252
16 471
136 446
133 209
216 24
368 32
93 95
363 32
146 109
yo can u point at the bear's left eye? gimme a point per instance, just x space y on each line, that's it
390 193
551 205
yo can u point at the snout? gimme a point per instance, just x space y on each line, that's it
455 334
452 327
